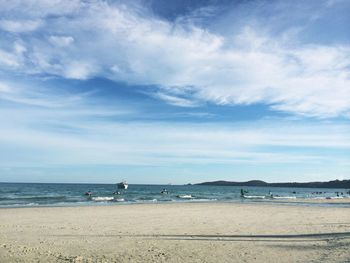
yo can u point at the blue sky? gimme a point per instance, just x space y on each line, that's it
174 91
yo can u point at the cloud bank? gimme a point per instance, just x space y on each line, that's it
188 62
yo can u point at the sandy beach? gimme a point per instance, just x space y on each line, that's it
189 232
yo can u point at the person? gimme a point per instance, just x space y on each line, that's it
164 191
88 193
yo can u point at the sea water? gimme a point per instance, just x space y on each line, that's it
40 194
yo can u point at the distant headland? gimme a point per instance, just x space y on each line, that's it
329 184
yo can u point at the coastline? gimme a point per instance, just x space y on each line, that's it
297 201
176 232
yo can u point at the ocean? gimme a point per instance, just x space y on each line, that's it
44 194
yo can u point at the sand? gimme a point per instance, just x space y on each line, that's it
189 232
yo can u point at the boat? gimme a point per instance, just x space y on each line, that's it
123 185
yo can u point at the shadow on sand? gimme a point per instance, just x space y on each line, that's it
265 238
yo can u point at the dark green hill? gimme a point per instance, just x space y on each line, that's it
330 184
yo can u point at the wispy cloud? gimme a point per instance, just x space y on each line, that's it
68 130
19 26
175 100
61 41
38 96
251 66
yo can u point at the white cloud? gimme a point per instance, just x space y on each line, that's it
4 88
36 96
43 127
79 70
174 100
18 26
8 59
74 136
67 129
19 48
124 44
40 8
61 41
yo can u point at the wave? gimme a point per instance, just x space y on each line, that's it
203 200
284 197
185 196
34 198
254 196
146 200
102 198
329 197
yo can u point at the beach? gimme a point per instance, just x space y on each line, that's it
179 232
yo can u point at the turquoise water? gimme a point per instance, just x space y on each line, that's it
35 194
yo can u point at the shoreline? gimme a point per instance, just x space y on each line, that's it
297 202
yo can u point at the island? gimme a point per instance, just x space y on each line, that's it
330 184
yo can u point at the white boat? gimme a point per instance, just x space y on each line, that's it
123 185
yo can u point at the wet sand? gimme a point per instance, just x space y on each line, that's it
188 232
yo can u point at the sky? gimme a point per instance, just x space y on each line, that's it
159 92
